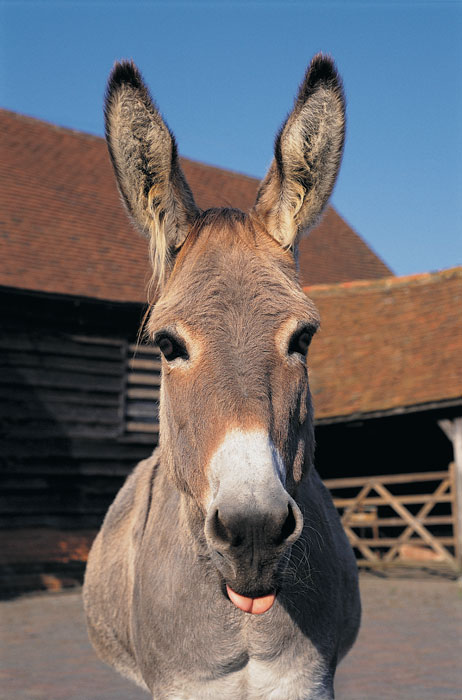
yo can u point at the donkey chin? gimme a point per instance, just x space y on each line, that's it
251 521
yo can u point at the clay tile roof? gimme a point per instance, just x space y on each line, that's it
64 230
387 344
333 252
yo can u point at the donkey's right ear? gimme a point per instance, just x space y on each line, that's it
145 159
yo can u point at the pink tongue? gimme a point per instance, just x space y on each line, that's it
257 606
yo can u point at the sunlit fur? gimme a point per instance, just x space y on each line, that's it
230 500
307 156
241 287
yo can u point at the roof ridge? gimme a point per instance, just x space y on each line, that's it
86 134
51 125
384 282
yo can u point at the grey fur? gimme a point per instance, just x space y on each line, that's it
154 592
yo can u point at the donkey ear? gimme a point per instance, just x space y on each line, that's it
145 159
307 156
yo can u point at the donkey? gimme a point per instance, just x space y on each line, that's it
221 570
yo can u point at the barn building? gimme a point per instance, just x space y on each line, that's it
78 397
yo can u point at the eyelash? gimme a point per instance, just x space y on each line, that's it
171 347
300 341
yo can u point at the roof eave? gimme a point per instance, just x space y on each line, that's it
390 412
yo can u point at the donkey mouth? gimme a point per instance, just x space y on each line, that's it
255 606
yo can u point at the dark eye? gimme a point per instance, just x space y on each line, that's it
300 341
171 347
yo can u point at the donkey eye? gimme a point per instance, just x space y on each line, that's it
171 347
300 341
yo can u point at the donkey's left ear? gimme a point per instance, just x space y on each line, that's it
307 156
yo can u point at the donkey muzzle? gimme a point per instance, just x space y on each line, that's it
247 544
252 519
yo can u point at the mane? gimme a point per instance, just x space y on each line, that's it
163 261
163 264
210 219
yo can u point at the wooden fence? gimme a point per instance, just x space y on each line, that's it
402 519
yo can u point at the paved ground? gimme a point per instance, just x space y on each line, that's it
410 647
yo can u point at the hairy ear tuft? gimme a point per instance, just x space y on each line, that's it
321 71
124 72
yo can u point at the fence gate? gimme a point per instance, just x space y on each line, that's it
405 519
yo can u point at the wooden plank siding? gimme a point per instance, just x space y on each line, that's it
141 409
75 374
64 451
61 417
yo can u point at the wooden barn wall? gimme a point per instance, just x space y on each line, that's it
64 450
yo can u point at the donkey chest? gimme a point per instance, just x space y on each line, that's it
260 680
267 667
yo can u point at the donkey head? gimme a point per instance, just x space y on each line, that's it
233 325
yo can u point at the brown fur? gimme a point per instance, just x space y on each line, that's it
231 497
229 265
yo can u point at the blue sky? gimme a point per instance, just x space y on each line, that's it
224 75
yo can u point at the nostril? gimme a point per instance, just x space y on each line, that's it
229 530
288 527
223 534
